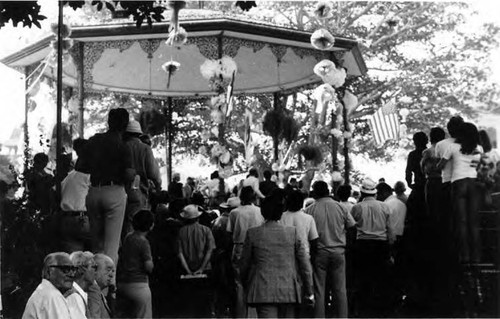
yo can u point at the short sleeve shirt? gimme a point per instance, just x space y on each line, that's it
194 241
135 252
305 225
441 147
463 165
331 220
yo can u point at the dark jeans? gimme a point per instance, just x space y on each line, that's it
466 202
372 275
434 199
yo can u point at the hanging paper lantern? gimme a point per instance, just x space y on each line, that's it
323 11
227 67
322 39
208 69
323 67
335 77
177 38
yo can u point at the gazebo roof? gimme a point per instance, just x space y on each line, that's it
125 59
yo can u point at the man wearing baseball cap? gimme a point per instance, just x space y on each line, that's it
372 249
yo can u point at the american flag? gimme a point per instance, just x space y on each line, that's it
384 123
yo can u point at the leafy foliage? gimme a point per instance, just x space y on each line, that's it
27 12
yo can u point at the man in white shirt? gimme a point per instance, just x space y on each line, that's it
441 147
75 225
84 278
48 300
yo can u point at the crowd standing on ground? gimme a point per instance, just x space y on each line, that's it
209 251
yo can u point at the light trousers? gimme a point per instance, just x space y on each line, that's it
106 210
136 297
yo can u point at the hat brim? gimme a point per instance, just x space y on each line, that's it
368 191
190 216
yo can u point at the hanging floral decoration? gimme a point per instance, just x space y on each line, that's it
336 132
323 11
221 156
337 177
170 68
219 73
322 39
177 38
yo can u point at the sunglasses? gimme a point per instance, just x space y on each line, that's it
65 268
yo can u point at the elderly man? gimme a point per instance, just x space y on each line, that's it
48 300
98 305
374 237
85 277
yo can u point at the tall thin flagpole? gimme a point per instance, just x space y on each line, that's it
59 96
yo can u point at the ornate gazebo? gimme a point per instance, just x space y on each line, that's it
124 59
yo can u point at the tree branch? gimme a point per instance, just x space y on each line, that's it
351 20
381 22
392 35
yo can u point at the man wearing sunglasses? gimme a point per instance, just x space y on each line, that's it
84 278
48 300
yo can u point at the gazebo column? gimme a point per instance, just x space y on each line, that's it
169 136
346 143
25 126
59 96
81 90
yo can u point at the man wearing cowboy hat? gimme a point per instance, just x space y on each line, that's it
375 234
146 169
195 244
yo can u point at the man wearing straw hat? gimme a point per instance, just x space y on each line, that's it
374 237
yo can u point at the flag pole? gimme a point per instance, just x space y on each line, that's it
59 97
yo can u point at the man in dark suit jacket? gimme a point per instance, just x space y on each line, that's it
98 305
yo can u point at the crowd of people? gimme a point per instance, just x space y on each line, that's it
263 246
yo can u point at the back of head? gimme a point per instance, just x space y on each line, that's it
383 191
294 200
437 134
320 189
118 119
214 175
484 140
468 138
271 208
453 125
40 159
143 220
176 177
253 172
267 175
344 192
399 187
79 145
247 195
198 199
420 139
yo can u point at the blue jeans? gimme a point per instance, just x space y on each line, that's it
334 264
466 201
106 210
